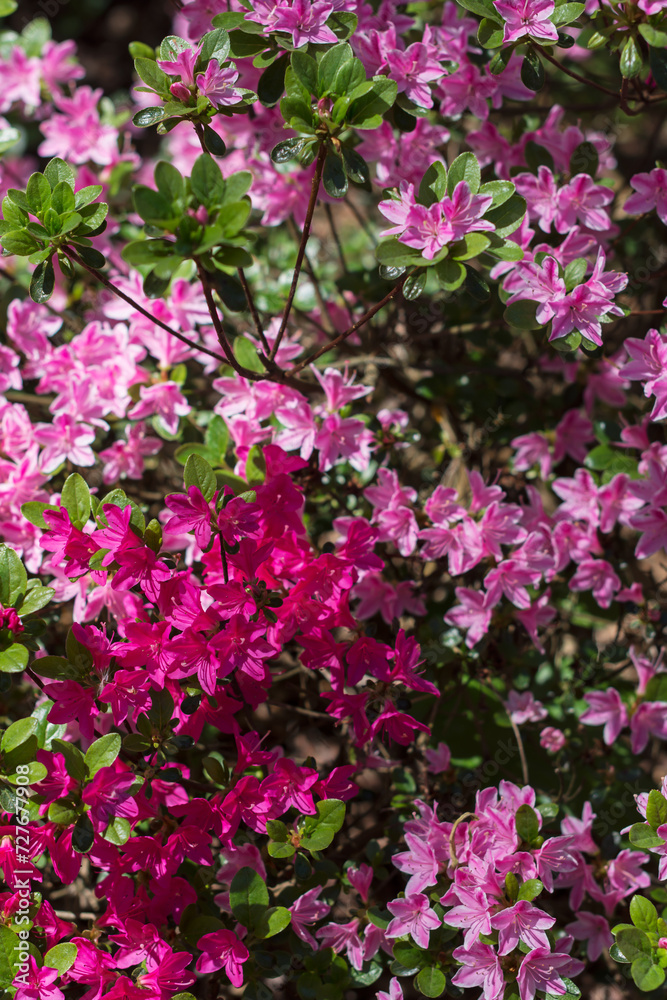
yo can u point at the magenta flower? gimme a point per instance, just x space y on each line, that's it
522 707
473 612
552 739
40 983
191 513
583 201
413 69
223 950
308 909
344 936
527 17
413 916
542 970
216 83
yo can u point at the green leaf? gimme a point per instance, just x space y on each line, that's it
118 831
633 943
500 191
655 37
273 921
392 253
464 168
527 825
102 753
532 71
305 69
647 974
213 142
643 836
245 43
9 949
75 762
450 274
255 466
656 809
508 216
207 182
530 889
246 355
321 829
356 167
472 245
17 734
154 208
656 689
20 242
366 112
214 45
14 659
52 666
484 8
330 63
13 578
334 178
490 34
75 498
199 473
148 116
565 13
631 60
83 835
433 185
643 913
271 84
57 170
287 150
38 193
431 982
278 850
7 7
248 897
92 257
169 182
61 957
36 599
414 285
658 64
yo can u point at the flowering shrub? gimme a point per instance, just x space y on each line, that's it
331 664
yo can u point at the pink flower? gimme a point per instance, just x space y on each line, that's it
552 739
522 707
650 192
308 909
216 83
598 576
523 923
649 719
360 879
472 913
413 916
223 950
65 439
413 69
473 612
163 399
583 201
527 17
480 967
344 936
438 758
305 21
542 970
594 929
606 708
511 578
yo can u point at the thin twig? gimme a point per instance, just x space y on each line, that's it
140 309
314 191
522 753
253 309
353 329
575 76
334 233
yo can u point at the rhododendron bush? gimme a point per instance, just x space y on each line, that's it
333 505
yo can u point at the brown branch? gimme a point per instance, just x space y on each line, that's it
355 326
140 309
575 76
253 310
314 191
